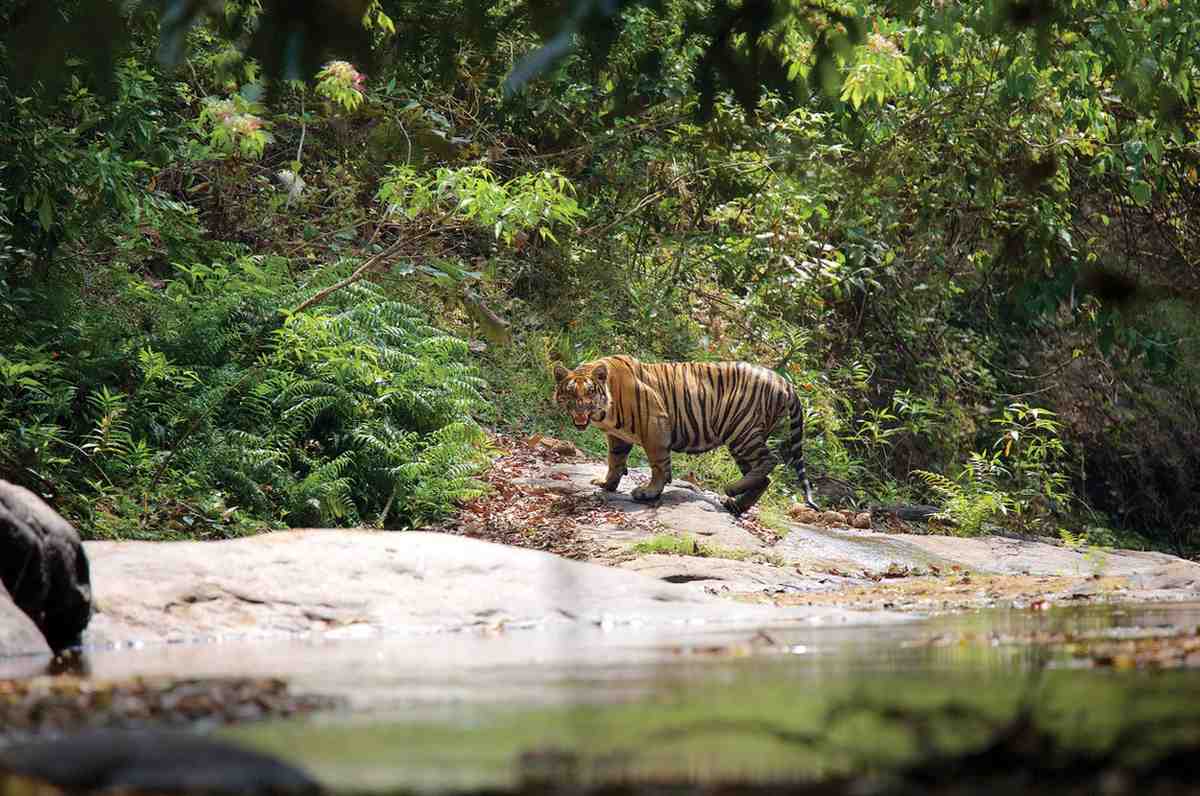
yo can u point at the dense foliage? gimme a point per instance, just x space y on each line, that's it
968 232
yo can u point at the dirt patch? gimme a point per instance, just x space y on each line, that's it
534 506
516 514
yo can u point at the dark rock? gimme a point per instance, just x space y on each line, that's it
908 513
18 634
151 761
43 566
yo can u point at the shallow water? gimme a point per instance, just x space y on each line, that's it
455 711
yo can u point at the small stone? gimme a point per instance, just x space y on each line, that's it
803 514
833 518
559 446
862 520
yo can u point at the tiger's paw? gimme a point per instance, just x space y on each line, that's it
605 484
647 493
733 506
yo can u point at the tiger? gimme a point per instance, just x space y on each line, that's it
689 407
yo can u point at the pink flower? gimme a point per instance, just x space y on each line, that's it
882 45
345 73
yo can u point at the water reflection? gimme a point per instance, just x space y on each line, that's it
463 710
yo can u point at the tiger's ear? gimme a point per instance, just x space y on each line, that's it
600 373
560 373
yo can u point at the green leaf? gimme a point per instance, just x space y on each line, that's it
46 213
1140 191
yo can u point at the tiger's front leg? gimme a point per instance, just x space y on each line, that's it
618 454
657 445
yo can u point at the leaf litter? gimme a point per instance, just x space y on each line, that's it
54 704
528 507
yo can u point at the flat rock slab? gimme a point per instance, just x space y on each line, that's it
348 584
1005 556
810 547
727 576
682 508
818 549
1176 577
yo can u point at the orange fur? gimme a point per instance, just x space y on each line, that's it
689 407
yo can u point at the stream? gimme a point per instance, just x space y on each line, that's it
450 712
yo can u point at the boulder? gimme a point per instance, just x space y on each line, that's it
43 566
18 634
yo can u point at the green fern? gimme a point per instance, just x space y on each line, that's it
357 410
974 497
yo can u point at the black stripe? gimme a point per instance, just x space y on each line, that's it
797 421
643 404
731 400
693 424
687 432
702 391
754 395
633 413
746 434
677 430
718 427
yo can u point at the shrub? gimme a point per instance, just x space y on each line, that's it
357 410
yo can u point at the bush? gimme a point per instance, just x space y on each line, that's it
223 419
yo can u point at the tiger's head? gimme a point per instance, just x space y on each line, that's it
583 392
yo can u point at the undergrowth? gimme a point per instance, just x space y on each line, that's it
220 415
977 266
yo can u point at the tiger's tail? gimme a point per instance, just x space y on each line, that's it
791 448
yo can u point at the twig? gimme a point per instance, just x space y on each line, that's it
358 274
303 130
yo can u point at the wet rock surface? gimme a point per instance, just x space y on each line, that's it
1173 577
43 566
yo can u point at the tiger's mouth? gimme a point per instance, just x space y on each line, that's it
581 419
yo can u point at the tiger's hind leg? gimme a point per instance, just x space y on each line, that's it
756 461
